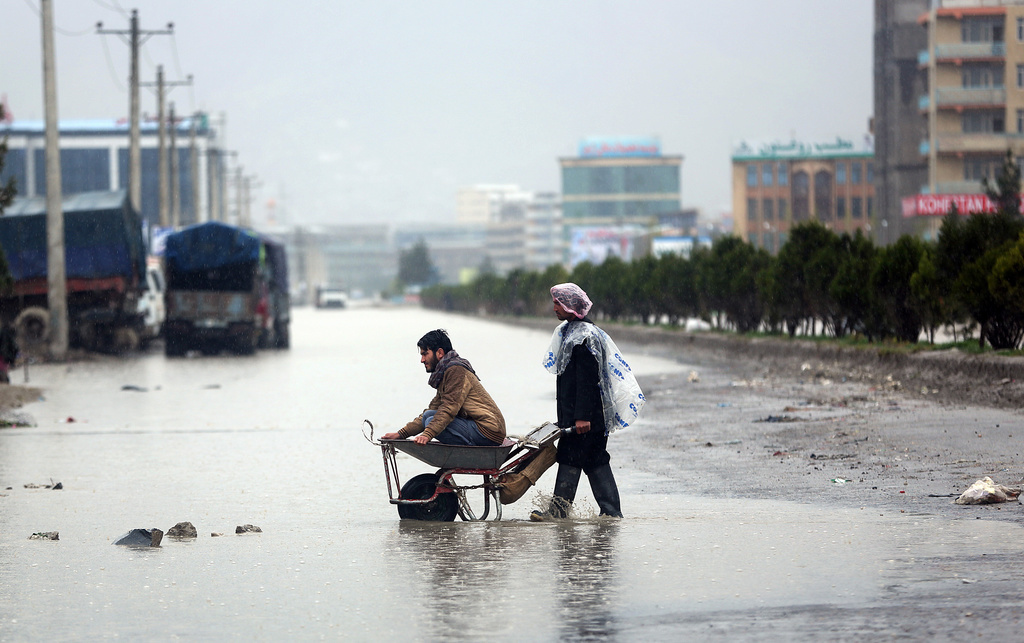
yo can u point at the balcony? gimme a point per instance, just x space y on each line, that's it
970 96
977 143
968 50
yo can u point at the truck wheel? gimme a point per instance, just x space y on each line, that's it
32 326
246 343
173 346
125 340
283 338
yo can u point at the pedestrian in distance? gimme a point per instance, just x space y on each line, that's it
8 351
596 393
462 411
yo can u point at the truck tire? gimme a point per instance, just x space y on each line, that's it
283 337
174 346
32 326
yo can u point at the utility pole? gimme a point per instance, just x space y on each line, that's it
135 38
161 93
56 283
194 167
175 179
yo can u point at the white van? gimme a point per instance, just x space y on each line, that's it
151 303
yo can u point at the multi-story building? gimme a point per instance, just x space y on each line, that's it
619 182
776 186
545 244
900 168
94 157
972 107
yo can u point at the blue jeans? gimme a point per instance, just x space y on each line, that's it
460 432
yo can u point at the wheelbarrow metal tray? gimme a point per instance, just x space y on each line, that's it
447 456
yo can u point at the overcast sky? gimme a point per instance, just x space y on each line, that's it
380 110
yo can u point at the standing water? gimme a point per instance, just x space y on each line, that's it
275 440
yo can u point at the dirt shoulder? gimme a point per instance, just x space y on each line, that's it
13 396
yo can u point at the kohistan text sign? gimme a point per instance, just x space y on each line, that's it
597 147
939 205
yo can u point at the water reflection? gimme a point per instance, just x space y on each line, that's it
587 579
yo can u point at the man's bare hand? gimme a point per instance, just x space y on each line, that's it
391 436
421 439
582 426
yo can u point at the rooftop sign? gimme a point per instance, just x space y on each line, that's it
939 205
605 147
777 150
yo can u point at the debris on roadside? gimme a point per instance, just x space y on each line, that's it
141 538
693 378
52 485
215 534
840 481
779 418
132 387
986 492
45 535
182 530
246 529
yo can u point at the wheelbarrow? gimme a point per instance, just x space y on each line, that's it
437 496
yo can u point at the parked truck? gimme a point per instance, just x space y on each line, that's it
105 270
227 289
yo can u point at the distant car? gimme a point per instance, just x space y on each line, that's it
328 298
151 304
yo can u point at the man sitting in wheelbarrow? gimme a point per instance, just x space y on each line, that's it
462 412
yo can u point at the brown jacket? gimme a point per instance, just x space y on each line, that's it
460 395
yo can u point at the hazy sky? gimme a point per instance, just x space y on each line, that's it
380 110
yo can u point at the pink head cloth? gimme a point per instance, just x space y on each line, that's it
572 299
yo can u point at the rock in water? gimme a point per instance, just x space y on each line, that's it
182 530
141 538
244 529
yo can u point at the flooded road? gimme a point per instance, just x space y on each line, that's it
275 440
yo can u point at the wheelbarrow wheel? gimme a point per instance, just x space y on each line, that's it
442 509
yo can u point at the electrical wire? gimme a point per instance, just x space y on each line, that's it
113 7
63 32
177 65
111 68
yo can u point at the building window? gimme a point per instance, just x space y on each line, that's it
1020 29
752 238
871 207
981 29
751 209
855 207
783 174
1020 75
767 174
840 173
870 172
751 176
769 242
768 209
983 122
855 169
783 209
841 208
801 196
823 195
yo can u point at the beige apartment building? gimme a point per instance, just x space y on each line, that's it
973 108
778 185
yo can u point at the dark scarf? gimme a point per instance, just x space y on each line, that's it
451 358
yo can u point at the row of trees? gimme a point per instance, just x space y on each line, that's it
970 278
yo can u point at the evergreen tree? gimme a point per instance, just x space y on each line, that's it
415 267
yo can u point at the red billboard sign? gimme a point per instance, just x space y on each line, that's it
939 205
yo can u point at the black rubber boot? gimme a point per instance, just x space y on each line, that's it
566 481
606 493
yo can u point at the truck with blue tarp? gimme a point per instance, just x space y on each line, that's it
227 288
105 269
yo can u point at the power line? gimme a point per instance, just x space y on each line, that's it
112 7
110 66
63 32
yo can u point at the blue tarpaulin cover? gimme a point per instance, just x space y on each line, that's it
206 246
102 237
